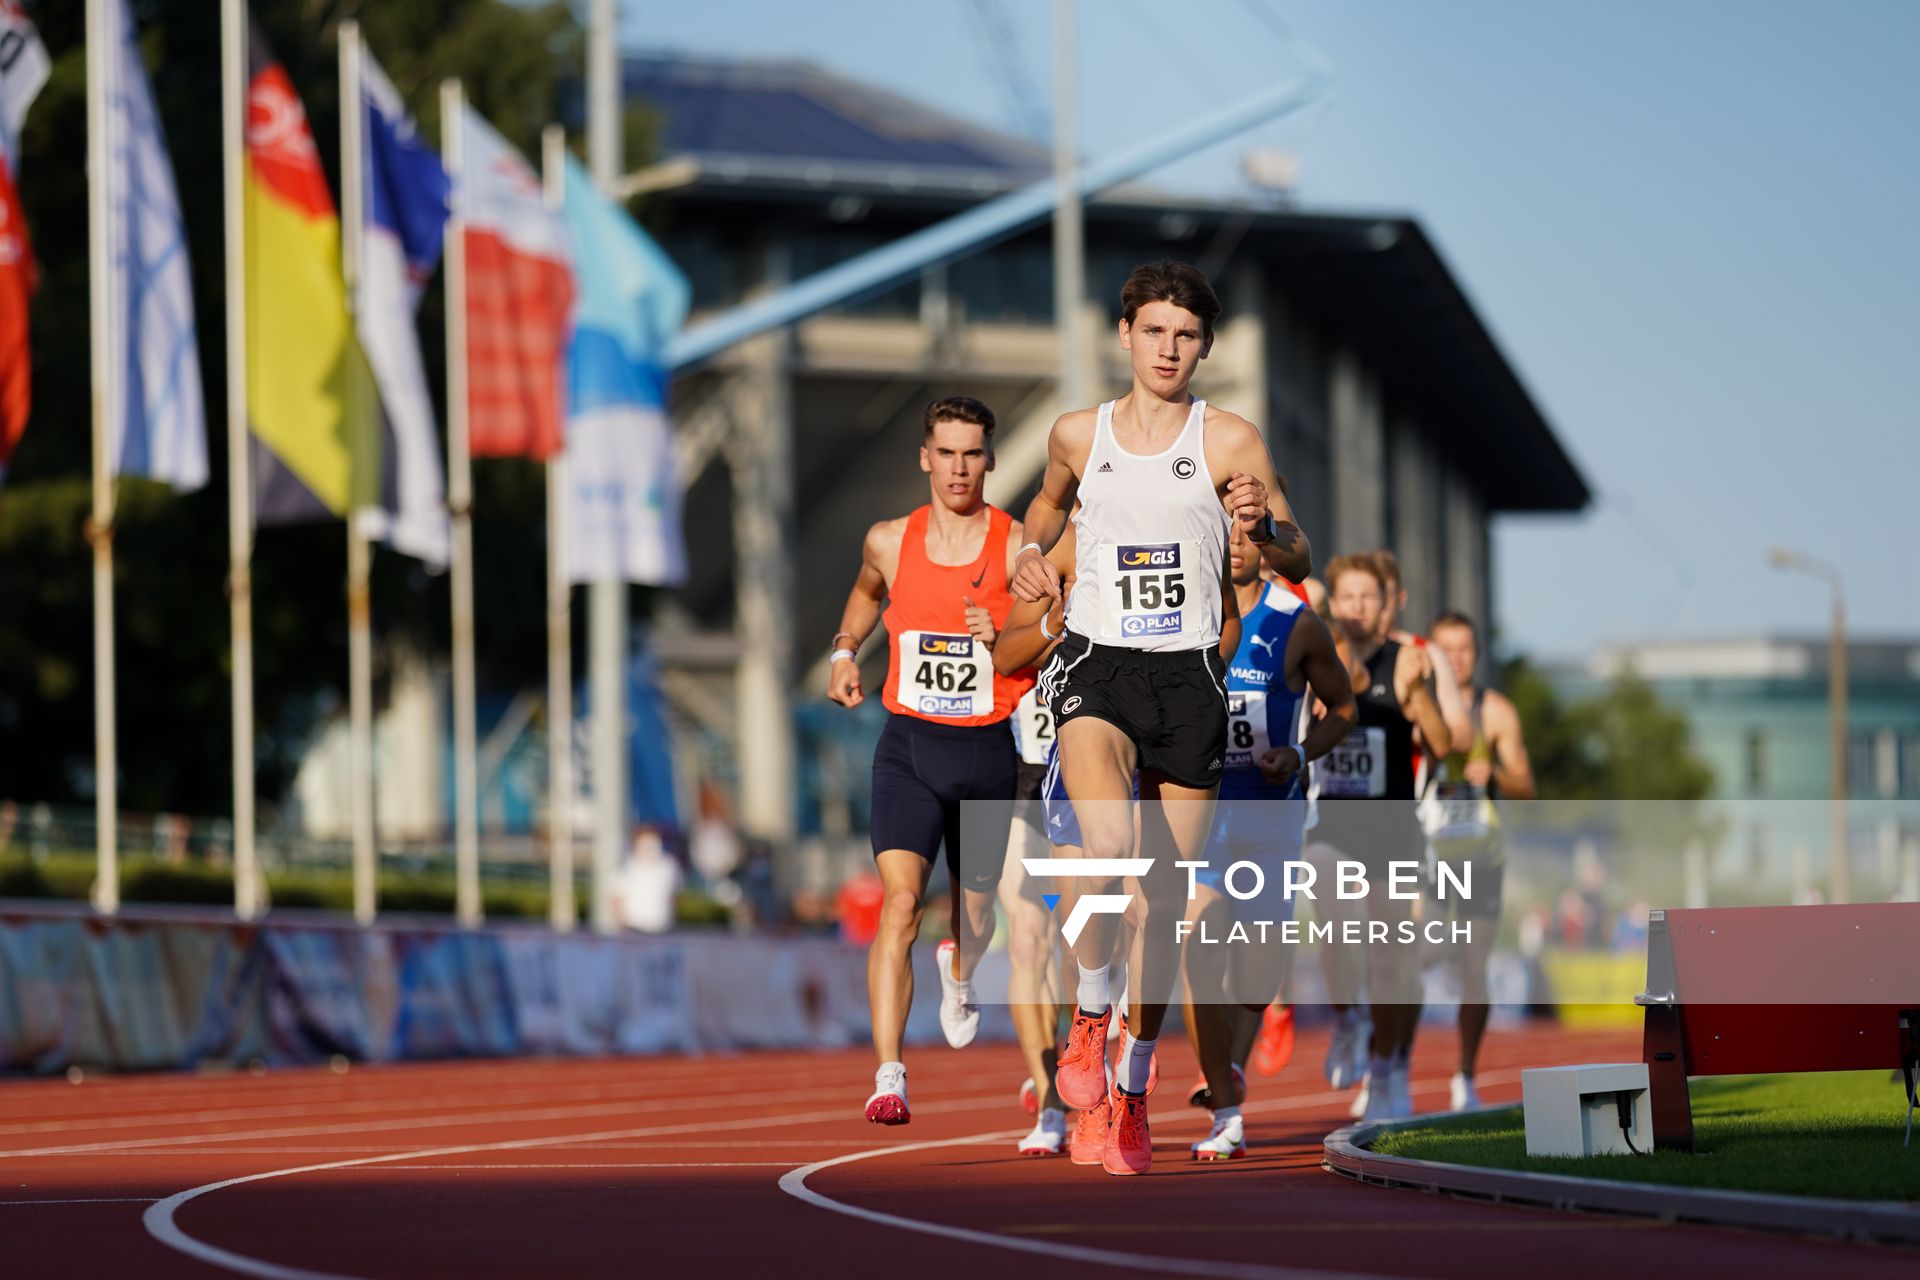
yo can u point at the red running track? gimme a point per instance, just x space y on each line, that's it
760 1164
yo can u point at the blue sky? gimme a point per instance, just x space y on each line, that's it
1690 226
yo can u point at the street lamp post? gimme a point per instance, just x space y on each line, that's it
1799 562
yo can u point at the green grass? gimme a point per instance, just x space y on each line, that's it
1834 1134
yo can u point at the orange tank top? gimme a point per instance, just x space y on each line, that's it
936 671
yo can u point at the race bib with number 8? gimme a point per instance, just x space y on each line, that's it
1150 590
1357 768
945 675
1246 727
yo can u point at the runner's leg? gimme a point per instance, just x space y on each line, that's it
903 880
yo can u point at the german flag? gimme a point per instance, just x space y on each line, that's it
310 400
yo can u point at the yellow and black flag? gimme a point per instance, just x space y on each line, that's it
310 403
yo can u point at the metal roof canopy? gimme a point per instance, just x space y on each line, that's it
965 233
1377 282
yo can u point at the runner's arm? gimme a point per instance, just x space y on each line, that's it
1512 770
1253 489
1416 699
1326 674
1021 643
860 617
1311 651
1046 518
1230 623
1453 707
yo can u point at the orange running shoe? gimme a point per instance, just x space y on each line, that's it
1202 1097
1129 1145
1081 1076
1120 1047
1088 1144
1273 1050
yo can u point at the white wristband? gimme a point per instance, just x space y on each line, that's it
1043 624
1031 546
838 655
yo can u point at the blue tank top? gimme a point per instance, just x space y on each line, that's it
1262 712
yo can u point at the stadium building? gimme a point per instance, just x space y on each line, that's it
1388 405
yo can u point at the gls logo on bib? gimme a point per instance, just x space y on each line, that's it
1160 555
947 646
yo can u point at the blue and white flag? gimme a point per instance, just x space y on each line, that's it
402 217
623 486
156 419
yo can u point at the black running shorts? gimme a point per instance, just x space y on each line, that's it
922 772
1173 706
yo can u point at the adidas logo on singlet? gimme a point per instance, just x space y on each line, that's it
1106 466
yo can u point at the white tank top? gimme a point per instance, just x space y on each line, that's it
1151 543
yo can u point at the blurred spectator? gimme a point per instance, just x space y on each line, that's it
649 884
858 907
713 846
1630 928
760 899
1576 925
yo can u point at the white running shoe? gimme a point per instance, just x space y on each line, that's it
1461 1093
1362 1099
959 1015
1048 1137
888 1105
1228 1141
1362 1043
1379 1098
1402 1085
1341 1050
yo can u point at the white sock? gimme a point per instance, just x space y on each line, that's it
1223 1114
1094 996
885 1067
1136 1056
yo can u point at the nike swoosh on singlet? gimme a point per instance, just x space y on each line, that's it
982 578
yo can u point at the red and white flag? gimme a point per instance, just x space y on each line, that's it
23 69
519 280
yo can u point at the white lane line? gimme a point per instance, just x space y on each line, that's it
669 1164
345 1100
159 1217
463 1119
795 1184
8 1204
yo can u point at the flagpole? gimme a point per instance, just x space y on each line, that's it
359 553
561 909
466 838
233 67
100 57
607 599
